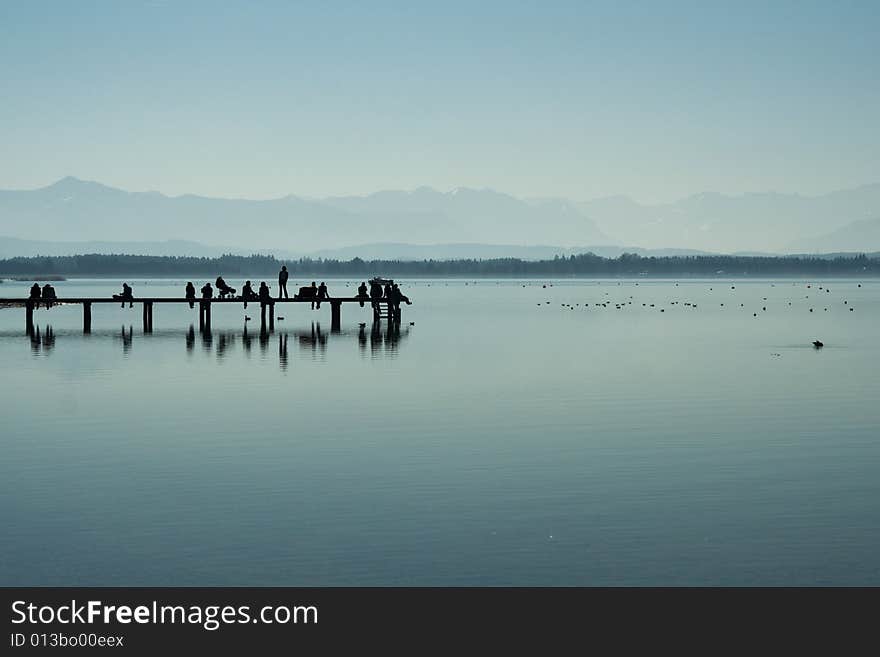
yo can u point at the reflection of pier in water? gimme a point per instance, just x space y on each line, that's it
380 340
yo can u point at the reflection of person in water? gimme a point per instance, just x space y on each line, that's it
362 293
191 294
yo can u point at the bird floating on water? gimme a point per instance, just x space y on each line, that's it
818 344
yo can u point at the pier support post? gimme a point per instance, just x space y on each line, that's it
29 317
208 315
148 316
87 317
271 316
335 316
263 316
201 316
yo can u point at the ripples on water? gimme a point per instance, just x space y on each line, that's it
586 432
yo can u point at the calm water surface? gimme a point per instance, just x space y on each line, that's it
504 438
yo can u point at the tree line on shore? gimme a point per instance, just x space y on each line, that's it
587 264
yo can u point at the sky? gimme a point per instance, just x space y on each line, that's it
259 99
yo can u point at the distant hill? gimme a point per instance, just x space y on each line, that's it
78 210
460 223
863 235
769 222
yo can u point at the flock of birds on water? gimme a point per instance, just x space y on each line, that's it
618 305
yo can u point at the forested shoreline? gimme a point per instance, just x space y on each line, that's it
584 265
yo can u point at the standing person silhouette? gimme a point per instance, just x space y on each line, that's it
313 293
282 282
375 295
191 294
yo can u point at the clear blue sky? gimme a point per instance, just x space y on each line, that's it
259 99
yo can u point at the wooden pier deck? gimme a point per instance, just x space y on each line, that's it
382 310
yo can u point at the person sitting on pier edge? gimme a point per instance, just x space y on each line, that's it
247 293
223 289
322 293
362 293
397 296
375 295
48 295
191 294
207 291
388 291
265 295
35 293
282 282
125 296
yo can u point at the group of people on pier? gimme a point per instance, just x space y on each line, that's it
375 293
390 293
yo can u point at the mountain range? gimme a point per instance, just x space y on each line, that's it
425 223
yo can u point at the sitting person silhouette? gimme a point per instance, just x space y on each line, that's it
207 291
265 295
125 296
48 295
35 293
322 293
362 293
247 293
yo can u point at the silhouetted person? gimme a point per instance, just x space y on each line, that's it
313 293
125 296
322 293
375 295
399 296
191 294
35 293
207 291
388 290
282 282
247 293
48 295
362 293
265 295
223 289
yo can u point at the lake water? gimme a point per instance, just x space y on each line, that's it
504 438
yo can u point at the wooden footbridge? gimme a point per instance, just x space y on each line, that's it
382 308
